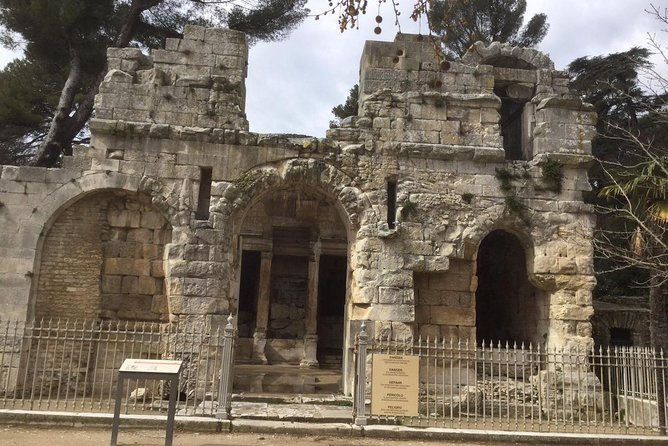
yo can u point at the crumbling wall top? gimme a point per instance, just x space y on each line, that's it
196 81
506 56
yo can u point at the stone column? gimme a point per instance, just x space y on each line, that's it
262 317
311 337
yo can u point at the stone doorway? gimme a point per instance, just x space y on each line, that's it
331 314
508 307
293 281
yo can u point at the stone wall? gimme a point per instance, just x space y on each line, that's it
195 81
72 257
445 303
427 142
132 278
102 258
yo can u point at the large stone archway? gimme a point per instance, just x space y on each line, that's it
307 214
509 308
102 257
293 244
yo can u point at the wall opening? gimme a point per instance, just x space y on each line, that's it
515 85
391 203
204 194
248 292
511 126
331 306
508 307
297 280
621 337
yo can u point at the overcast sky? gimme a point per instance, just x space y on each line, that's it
292 85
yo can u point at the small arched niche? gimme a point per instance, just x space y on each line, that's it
508 307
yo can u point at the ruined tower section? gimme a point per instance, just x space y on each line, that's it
197 81
450 207
478 168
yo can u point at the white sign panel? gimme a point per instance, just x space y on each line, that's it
151 366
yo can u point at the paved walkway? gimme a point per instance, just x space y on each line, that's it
31 436
92 429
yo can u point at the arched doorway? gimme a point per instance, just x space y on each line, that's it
508 307
293 280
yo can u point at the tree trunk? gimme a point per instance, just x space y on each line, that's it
50 150
68 122
658 294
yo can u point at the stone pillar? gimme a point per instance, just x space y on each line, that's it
311 337
262 317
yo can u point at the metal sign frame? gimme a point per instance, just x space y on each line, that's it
168 370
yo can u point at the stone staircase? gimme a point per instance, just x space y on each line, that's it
290 393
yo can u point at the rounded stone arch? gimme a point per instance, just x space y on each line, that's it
505 55
501 255
262 192
633 318
48 210
496 218
353 206
87 187
522 237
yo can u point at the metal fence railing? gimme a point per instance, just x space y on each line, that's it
523 388
67 365
72 365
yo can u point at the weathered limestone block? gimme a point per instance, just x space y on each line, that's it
571 312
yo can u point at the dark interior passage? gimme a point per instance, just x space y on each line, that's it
511 128
248 292
508 307
331 305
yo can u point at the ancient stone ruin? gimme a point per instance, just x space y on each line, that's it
450 206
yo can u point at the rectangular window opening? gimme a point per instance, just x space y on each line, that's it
204 196
391 203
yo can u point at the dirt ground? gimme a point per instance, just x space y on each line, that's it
31 436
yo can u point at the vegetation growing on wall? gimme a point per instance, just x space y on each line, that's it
552 172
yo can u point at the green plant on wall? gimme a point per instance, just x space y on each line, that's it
505 178
513 203
552 172
515 206
407 209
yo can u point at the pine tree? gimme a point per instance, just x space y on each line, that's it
348 108
461 23
65 46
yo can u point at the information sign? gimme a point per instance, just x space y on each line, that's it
395 385
151 366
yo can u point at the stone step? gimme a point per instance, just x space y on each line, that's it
319 413
275 398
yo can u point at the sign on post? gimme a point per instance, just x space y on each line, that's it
395 385
148 369
151 366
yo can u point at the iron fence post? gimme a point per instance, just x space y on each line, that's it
226 373
360 388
